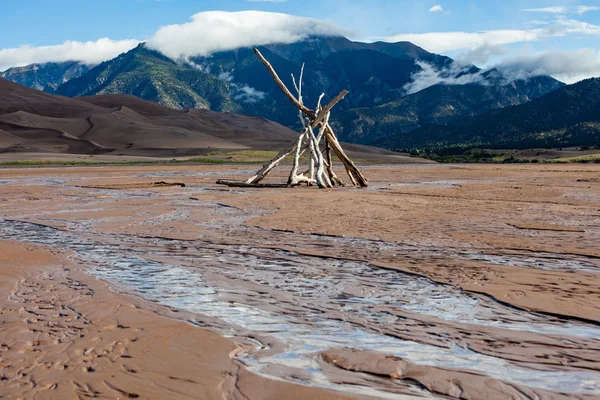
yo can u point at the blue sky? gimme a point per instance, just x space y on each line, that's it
46 22
566 28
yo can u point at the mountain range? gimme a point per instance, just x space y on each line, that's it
149 75
438 105
569 116
47 77
398 91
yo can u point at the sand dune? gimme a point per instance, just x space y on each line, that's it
247 131
126 129
72 126
260 131
48 140
34 122
8 139
15 98
142 107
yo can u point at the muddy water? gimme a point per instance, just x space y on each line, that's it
298 306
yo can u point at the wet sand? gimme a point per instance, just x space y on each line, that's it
67 335
458 281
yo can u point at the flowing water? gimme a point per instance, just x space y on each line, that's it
311 304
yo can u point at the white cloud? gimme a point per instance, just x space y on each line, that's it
436 8
213 31
564 10
440 42
537 22
551 10
488 49
453 75
216 31
583 9
89 53
226 76
566 66
207 32
243 93
482 55
247 94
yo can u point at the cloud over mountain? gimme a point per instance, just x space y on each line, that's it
489 49
213 31
88 53
206 33
429 75
567 66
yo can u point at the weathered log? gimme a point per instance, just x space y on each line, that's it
353 172
255 185
267 168
293 178
300 179
323 126
320 176
329 163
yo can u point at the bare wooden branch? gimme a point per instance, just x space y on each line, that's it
323 127
284 88
321 116
320 169
298 86
267 168
319 102
320 176
294 173
295 84
300 83
329 162
355 175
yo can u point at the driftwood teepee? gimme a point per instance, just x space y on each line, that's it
319 145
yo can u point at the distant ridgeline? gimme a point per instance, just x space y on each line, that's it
401 96
569 116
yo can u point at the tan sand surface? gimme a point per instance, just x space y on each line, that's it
523 238
66 335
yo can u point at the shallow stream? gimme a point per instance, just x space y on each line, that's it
306 305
